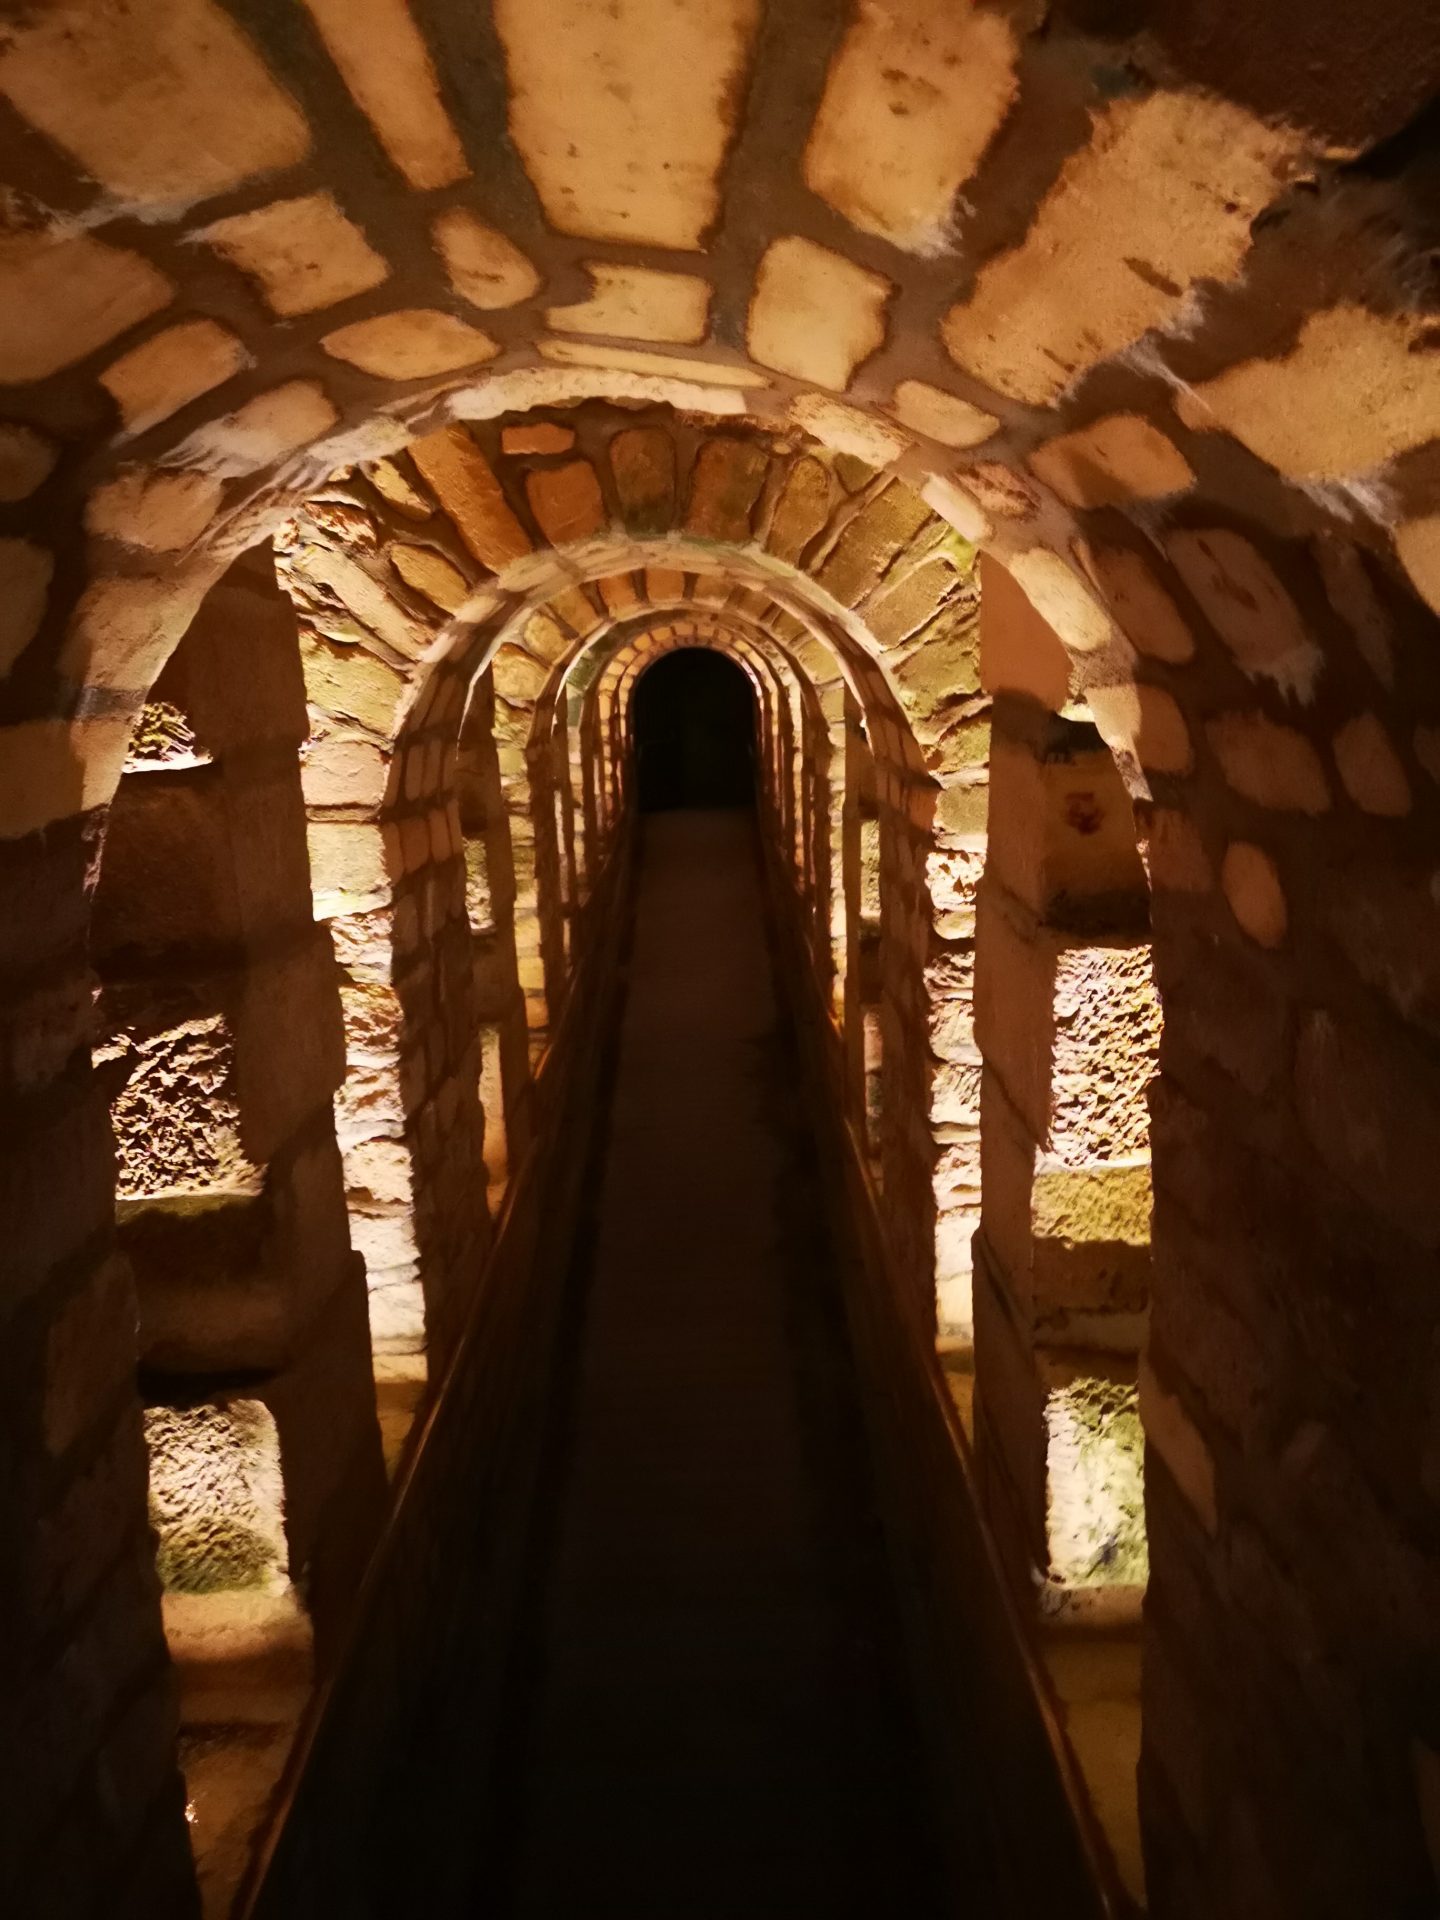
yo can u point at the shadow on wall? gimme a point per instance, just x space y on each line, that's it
694 733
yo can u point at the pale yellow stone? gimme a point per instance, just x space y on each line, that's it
712 373
25 574
304 253
537 436
124 628
164 108
1179 1443
1350 394
638 303
815 314
1370 768
1161 197
416 343
622 114
913 98
957 507
1145 721
391 484
348 866
1272 765
52 769
847 430
384 61
169 369
431 574
484 266
518 678
1418 544
266 428
1245 602
586 378
27 459
62 297
361 594
942 416
1252 887
1122 457
1143 609
546 639
157 510
1061 597
354 685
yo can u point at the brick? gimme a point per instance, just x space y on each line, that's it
724 488
469 492
566 501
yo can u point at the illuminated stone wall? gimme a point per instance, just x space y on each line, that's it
1138 303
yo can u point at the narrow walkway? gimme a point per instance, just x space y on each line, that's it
716 1724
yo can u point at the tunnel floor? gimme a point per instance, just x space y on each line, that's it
713 1720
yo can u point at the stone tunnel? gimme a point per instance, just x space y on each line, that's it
719 959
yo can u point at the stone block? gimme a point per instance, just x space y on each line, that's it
63 297
170 369
659 109
638 303
465 483
304 253
387 67
484 266
815 314
414 343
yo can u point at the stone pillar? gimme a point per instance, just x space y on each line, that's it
1068 1027
506 1090
222 1047
90 1796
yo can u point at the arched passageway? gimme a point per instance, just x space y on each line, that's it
716 1716
694 727
1040 406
